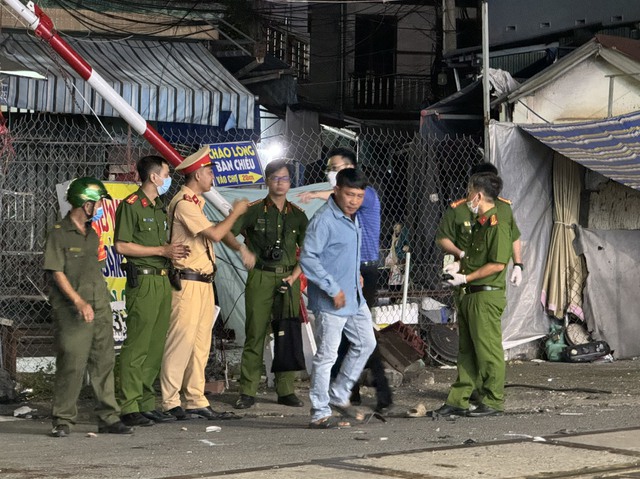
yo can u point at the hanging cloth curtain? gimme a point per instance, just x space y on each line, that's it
564 272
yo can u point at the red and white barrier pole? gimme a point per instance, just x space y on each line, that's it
42 25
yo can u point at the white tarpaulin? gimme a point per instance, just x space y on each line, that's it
525 166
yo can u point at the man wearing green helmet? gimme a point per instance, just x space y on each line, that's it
81 311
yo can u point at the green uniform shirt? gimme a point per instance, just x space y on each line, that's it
490 243
139 221
457 222
69 251
263 224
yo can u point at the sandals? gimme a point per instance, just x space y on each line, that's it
351 412
329 422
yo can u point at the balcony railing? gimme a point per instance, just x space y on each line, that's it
388 92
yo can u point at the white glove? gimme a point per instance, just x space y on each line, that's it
462 254
452 268
457 280
516 275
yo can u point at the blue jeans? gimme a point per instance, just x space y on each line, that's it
358 329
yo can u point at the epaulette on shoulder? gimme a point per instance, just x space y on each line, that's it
296 207
504 200
493 221
455 204
131 199
253 203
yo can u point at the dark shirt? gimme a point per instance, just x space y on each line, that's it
263 224
140 221
76 255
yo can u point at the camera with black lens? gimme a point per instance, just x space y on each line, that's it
273 253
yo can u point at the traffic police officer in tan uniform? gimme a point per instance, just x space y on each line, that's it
273 229
482 277
141 236
192 310
81 311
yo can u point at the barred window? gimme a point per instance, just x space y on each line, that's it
290 49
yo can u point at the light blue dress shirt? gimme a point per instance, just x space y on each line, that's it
330 259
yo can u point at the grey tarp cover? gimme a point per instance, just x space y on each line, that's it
525 166
612 289
232 275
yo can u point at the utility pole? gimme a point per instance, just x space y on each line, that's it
486 94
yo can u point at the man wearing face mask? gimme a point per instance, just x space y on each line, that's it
454 231
81 311
482 279
141 234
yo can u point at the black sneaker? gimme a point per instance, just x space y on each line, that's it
136 419
115 428
61 430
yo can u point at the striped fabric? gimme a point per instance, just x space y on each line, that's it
611 146
163 80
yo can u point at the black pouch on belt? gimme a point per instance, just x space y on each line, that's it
174 278
132 274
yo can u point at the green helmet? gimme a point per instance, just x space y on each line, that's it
86 189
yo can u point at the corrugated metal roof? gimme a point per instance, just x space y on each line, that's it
163 80
624 62
611 147
627 46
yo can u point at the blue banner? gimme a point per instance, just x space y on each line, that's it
236 164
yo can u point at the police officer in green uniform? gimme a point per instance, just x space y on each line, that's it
141 235
273 229
81 311
482 277
454 231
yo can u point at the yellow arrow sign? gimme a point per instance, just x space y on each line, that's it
249 177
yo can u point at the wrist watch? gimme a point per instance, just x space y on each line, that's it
519 264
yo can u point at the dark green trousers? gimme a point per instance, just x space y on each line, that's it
480 355
261 289
148 313
84 347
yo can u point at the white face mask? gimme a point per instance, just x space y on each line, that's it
331 177
473 209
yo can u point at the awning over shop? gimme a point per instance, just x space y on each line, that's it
165 80
611 147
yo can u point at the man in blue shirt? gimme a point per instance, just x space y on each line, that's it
330 259
369 219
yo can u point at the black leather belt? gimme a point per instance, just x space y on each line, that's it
195 276
275 269
369 263
472 288
153 271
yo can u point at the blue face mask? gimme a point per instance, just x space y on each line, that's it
164 187
97 214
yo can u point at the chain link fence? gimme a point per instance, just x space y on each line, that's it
416 178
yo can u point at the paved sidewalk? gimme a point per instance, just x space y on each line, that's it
612 454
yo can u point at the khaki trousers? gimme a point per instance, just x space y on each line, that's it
186 350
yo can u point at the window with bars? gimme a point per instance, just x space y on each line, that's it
290 49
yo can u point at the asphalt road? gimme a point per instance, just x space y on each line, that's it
551 399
